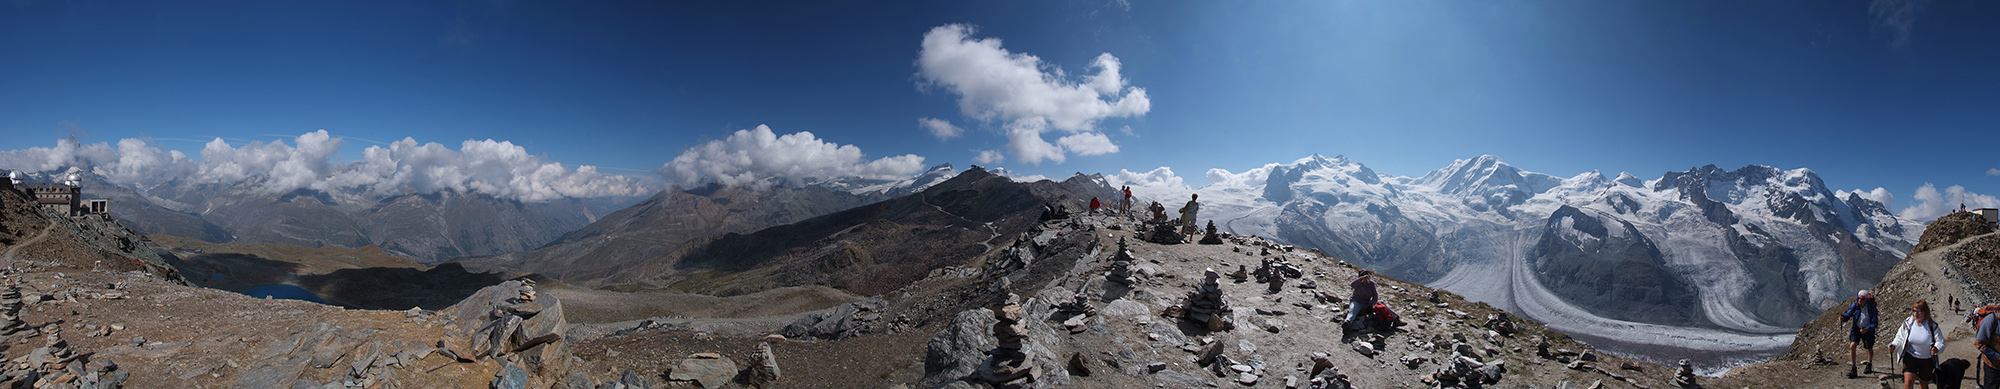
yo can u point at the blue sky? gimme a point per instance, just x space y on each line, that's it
1891 94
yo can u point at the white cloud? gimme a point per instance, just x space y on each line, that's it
496 168
1025 140
1880 195
1089 143
757 156
1928 203
1018 88
940 128
1993 172
1161 177
989 157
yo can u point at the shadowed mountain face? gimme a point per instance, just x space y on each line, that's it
430 228
1608 267
664 224
866 250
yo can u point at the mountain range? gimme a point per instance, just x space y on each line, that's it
428 227
1754 251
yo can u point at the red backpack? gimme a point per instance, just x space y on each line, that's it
1383 314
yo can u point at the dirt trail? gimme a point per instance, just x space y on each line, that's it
31 241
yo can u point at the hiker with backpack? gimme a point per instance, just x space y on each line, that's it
1861 330
1986 338
1918 344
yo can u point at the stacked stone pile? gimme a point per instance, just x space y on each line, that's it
1008 366
1211 237
1204 306
10 312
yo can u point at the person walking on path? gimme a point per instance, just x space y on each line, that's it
1363 297
1861 330
1986 338
1187 216
1918 344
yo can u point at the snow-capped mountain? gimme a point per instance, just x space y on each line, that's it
1757 250
882 189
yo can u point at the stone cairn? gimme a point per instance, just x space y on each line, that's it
55 365
1159 229
511 322
1205 305
1211 237
1684 378
1241 275
1273 272
1008 365
1121 266
10 312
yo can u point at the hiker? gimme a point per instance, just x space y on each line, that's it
1159 212
1985 339
1363 297
1126 207
1861 331
1093 205
1187 215
1918 343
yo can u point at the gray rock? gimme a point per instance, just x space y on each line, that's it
512 378
544 327
708 369
958 349
1175 379
1124 308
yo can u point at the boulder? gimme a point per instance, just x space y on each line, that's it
709 370
544 327
958 349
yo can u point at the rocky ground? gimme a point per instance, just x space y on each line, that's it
1081 313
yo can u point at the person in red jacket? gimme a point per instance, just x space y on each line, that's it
1093 205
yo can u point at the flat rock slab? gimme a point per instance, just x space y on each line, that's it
708 369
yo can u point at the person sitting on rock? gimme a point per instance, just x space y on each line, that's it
1363 297
1861 331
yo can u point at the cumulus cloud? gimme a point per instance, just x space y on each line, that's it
1089 143
1929 203
496 168
940 128
1017 88
989 157
1025 140
1162 177
1993 172
1880 195
757 157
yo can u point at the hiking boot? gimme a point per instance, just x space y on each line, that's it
1850 372
1868 367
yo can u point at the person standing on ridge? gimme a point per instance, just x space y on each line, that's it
1918 343
1363 297
1127 205
1861 331
1187 216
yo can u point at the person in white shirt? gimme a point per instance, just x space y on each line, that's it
1918 344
